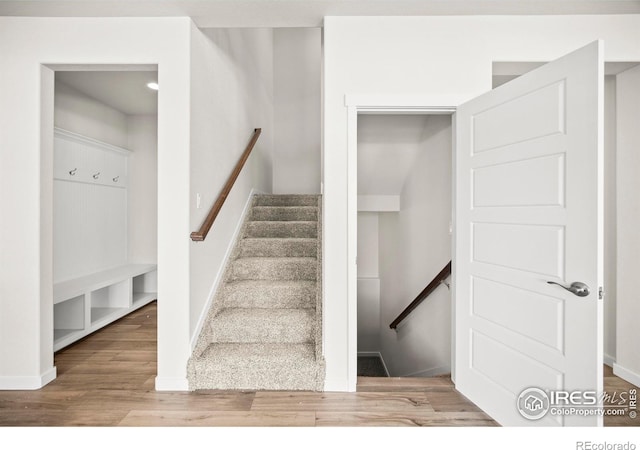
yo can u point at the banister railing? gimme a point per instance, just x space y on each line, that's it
444 273
201 234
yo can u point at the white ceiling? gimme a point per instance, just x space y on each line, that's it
302 13
125 91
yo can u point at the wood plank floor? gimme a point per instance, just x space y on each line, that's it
107 379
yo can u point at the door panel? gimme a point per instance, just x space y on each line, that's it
545 175
532 115
529 314
528 210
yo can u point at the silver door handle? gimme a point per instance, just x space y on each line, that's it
577 288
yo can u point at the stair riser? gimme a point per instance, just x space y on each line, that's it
280 270
273 297
251 332
265 247
281 230
288 200
246 366
264 213
264 377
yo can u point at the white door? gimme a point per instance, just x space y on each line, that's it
529 211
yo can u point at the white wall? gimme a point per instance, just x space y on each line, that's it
368 283
296 63
142 140
628 217
414 246
388 146
435 61
231 94
367 245
77 112
26 149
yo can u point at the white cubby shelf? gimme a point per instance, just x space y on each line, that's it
85 304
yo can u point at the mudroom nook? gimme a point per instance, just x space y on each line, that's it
101 176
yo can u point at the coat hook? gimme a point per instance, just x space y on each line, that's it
73 171
96 175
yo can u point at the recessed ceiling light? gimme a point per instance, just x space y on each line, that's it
153 86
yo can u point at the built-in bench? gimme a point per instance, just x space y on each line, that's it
86 304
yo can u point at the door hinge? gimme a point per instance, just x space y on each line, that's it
600 293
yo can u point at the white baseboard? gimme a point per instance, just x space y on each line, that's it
626 374
27 383
609 360
379 355
49 376
337 385
172 384
218 278
434 372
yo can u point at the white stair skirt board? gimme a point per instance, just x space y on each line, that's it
262 330
27 383
626 374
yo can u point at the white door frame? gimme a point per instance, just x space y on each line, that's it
381 104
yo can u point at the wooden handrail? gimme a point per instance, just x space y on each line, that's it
444 273
201 234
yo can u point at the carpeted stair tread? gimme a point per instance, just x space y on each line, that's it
284 213
270 294
299 268
281 325
285 200
282 229
256 367
278 247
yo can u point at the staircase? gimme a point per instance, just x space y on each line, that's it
264 328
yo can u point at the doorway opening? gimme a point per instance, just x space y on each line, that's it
404 182
104 197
